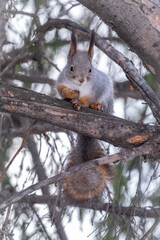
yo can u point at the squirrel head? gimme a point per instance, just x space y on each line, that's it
79 64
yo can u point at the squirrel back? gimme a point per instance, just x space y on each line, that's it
85 86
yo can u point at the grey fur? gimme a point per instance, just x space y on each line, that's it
97 85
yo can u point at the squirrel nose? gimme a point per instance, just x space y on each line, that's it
81 80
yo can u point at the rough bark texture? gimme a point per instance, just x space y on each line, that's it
117 131
136 22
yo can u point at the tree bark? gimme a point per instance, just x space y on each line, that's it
117 131
136 22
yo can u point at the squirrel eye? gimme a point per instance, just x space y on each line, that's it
71 68
90 70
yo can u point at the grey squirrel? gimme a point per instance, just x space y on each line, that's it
85 86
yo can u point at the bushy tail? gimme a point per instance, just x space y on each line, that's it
89 183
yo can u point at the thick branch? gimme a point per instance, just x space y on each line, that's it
131 72
30 79
96 205
122 89
116 131
141 33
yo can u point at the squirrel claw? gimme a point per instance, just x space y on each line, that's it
77 106
75 94
74 101
96 106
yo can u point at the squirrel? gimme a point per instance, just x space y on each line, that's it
85 86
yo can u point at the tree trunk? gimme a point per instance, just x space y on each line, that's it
136 22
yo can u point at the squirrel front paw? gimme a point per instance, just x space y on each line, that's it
74 101
82 102
67 93
96 106
70 94
78 105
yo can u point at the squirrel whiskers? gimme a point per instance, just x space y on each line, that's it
85 86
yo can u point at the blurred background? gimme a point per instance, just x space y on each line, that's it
36 66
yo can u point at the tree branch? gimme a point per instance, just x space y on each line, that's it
122 156
18 151
122 89
116 131
120 15
96 205
131 72
151 229
41 176
29 79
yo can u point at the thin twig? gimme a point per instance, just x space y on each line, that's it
20 12
41 223
3 230
6 219
38 166
151 229
122 156
67 10
50 61
18 151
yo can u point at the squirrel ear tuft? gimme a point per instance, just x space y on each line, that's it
73 46
91 45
